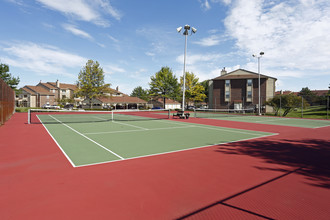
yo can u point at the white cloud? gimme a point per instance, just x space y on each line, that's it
112 69
74 30
107 7
196 58
40 58
294 35
212 40
85 10
113 39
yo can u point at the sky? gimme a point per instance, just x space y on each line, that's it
51 40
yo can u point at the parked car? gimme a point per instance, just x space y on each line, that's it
47 106
68 106
54 107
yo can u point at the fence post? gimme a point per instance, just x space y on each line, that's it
302 107
328 107
280 104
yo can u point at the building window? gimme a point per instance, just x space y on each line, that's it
249 82
227 95
227 83
63 90
249 94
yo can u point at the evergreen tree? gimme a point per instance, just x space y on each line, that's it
7 77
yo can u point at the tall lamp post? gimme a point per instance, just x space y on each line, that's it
260 55
185 33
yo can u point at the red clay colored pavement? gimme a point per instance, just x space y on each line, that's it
279 177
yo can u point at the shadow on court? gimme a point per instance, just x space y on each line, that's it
310 155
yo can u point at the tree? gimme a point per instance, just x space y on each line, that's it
91 81
7 77
286 102
194 91
308 95
140 93
205 84
164 84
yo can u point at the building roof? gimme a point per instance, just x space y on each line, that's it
320 92
246 75
63 86
37 90
121 99
168 101
47 85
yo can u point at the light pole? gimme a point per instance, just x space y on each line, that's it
260 55
185 33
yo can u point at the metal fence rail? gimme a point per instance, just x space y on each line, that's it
7 102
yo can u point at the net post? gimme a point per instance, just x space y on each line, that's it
29 116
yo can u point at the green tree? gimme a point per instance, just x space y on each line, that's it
164 84
7 77
205 84
286 102
308 95
140 93
91 81
194 91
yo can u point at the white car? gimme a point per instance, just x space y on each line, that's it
46 106
55 107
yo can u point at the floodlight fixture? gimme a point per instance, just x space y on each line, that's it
187 27
179 29
194 30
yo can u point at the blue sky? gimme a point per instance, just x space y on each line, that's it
53 39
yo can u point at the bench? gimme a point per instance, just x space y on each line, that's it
181 115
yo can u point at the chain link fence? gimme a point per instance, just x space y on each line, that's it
296 106
7 102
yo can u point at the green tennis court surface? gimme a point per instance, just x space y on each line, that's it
89 143
294 122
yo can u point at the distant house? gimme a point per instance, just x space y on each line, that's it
44 93
169 103
61 90
240 89
34 96
115 100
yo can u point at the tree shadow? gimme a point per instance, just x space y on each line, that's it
311 155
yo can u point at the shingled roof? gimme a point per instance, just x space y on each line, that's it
121 99
37 90
248 74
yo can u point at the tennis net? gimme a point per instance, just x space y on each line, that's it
46 116
215 113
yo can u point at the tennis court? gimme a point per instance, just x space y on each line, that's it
93 138
176 173
247 116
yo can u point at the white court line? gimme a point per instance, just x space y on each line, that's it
67 157
89 139
175 151
154 129
234 130
278 119
130 125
